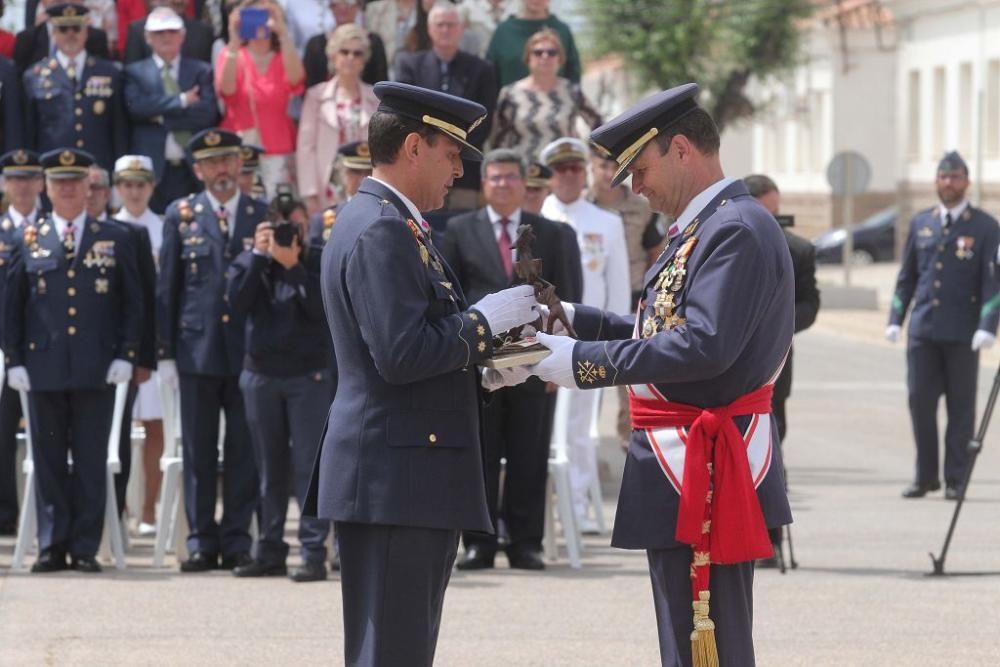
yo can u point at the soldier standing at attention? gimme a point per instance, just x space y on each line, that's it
200 349
72 323
713 329
948 273
400 470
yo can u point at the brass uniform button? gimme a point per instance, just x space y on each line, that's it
72 311
78 127
71 331
939 265
71 274
31 346
937 283
79 143
433 438
78 111
71 291
225 318
935 302
131 354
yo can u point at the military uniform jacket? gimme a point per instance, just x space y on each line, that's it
402 440
66 322
715 323
950 277
90 115
195 325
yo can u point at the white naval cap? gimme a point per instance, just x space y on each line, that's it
163 18
134 167
564 149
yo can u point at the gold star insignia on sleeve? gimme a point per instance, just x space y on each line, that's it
473 317
586 371
481 330
481 347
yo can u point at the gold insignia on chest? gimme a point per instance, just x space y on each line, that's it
199 207
44 229
101 285
424 255
94 227
924 232
99 107
6 224
250 209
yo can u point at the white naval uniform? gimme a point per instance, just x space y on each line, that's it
604 254
147 401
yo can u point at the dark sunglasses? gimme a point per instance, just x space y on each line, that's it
69 28
349 52
545 53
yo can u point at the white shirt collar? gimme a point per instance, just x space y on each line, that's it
406 201
513 221
78 224
700 201
174 66
77 62
955 212
125 216
231 206
19 219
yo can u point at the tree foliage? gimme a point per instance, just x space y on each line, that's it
718 44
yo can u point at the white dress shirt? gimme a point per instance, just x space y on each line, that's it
76 62
419 219
78 226
150 221
955 212
700 201
21 220
231 207
172 150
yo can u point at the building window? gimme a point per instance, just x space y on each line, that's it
966 98
914 116
939 122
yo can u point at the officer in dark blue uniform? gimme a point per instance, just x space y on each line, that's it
714 328
250 183
400 469
72 323
22 183
200 349
73 98
949 275
355 165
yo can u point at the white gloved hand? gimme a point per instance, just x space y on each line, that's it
119 371
495 378
982 339
167 370
558 329
509 308
558 366
892 333
17 378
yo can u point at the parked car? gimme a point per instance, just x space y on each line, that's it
874 240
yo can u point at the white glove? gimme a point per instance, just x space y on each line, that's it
982 339
17 378
119 371
167 370
495 378
558 329
558 366
509 308
892 333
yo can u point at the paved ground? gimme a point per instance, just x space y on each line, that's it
860 597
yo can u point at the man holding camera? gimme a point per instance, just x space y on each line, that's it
200 349
285 379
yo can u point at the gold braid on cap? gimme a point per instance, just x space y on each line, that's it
443 125
631 151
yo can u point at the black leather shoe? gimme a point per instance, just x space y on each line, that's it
309 571
476 558
200 561
918 490
233 562
261 568
50 561
525 560
951 492
86 564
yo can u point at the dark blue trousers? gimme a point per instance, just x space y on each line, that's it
286 417
202 399
10 415
71 505
730 607
936 368
393 580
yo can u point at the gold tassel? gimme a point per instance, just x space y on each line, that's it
704 652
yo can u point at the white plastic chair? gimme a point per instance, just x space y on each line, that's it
595 497
28 528
559 484
171 496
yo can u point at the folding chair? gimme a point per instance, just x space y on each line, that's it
171 493
559 484
28 528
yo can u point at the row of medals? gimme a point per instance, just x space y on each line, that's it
667 286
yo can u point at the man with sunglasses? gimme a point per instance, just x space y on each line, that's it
74 98
35 42
601 237
316 62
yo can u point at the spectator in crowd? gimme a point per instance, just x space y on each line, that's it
418 39
334 113
478 248
446 68
34 42
317 63
134 179
480 18
392 20
354 164
249 178
511 36
256 80
169 97
543 106
196 45
601 238
537 189
11 107
70 399
104 17
22 184
7 40
200 349
75 98
129 11
98 194
306 19
285 380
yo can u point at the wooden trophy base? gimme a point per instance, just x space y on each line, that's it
525 352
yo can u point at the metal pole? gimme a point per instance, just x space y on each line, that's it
848 257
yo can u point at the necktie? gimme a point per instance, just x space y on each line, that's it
71 73
503 245
223 215
69 242
171 87
947 220
445 77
